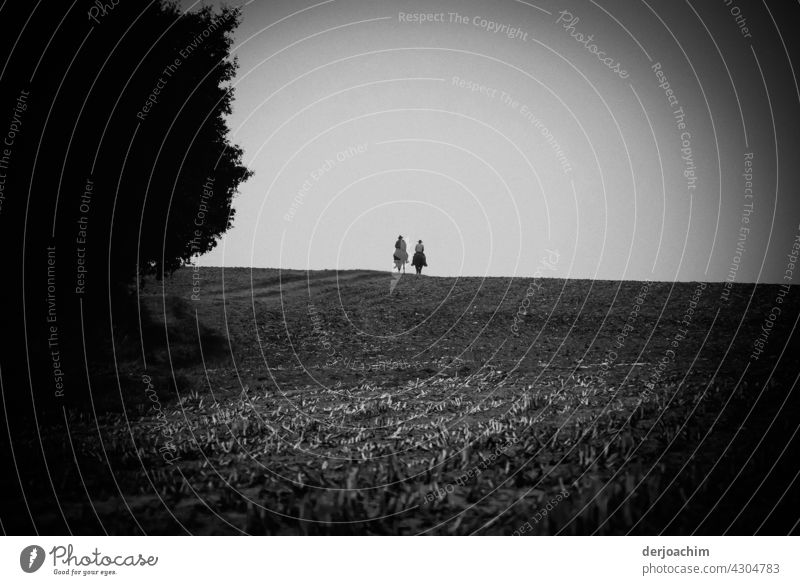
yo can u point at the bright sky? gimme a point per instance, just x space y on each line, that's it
494 133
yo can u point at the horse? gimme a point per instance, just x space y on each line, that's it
419 261
400 258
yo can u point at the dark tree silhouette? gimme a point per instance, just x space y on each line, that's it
121 164
115 163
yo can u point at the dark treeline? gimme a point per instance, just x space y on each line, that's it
115 164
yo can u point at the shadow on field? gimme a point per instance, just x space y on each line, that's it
167 348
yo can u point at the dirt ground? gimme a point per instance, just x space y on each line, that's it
267 402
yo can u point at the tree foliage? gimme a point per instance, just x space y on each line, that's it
119 121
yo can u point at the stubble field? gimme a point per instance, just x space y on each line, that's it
285 402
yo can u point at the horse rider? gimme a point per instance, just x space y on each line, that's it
419 259
400 254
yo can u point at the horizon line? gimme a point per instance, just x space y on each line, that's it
542 277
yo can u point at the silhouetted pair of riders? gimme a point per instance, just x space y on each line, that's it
401 255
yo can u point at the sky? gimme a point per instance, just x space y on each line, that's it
626 140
